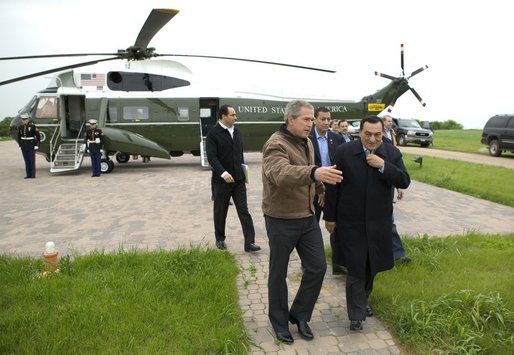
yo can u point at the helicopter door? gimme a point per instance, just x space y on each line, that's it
74 116
208 119
208 115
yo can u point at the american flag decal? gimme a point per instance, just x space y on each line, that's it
92 79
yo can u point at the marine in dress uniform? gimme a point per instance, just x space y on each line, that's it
94 144
28 140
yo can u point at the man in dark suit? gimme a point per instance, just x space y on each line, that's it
224 147
389 136
325 143
344 131
361 207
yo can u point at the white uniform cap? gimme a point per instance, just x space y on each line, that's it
92 121
24 116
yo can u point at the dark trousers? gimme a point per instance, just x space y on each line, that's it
30 162
222 194
96 159
398 250
337 253
284 235
357 293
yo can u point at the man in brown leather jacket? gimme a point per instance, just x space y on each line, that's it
290 181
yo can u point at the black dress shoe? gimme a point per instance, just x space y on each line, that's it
369 311
220 244
339 270
303 328
355 325
252 247
285 337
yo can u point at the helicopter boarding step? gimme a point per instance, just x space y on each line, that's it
203 153
69 157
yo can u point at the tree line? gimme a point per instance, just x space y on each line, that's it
4 126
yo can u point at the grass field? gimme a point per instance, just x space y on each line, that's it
126 303
492 183
455 297
466 140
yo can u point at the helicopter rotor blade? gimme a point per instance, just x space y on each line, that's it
55 56
401 59
393 102
417 71
417 96
246 60
49 71
155 21
386 76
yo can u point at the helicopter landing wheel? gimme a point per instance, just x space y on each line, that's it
106 166
122 157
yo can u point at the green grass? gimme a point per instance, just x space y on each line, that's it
180 302
456 296
461 140
492 183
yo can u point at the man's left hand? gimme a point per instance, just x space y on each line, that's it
321 200
330 226
228 178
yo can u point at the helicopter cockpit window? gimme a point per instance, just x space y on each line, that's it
46 107
123 81
135 113
113 114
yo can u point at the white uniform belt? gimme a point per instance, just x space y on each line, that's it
27 138
94 142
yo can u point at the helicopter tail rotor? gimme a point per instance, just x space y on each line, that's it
417 96
417 71
404 79
401 59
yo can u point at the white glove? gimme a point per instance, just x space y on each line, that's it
97 140
102 151
36 147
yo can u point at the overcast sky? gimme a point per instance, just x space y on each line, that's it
466 44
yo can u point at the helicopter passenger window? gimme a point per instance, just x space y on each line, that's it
183 113
46 107
135 113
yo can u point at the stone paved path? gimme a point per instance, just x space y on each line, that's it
166 204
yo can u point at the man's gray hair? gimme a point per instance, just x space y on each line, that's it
294 107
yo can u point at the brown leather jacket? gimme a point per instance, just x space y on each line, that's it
288 189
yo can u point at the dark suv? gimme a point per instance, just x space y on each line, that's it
408 130
498 134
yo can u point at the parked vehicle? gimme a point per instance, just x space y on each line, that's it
408 130
354 127
498 134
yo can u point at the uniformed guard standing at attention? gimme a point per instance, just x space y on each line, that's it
95 144
28 140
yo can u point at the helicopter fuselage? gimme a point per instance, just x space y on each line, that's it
148 113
